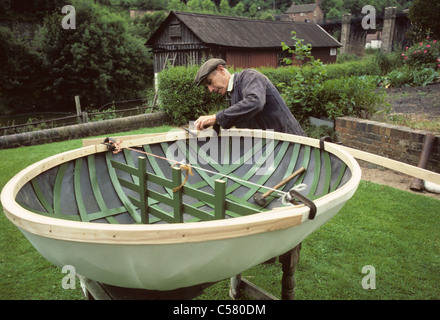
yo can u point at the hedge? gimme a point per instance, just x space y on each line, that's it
329 90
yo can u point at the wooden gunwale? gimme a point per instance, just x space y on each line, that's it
276 219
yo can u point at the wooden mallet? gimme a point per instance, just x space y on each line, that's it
261 198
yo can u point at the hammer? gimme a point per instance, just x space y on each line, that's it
261 198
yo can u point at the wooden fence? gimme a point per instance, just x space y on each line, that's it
79 118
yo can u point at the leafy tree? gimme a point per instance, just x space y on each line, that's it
425 17
176 5
100 60
208 6
145 26
20 73
224 7
238 10
194 5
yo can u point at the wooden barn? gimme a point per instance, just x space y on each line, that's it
189 38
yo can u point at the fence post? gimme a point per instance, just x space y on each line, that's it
85 117
78 109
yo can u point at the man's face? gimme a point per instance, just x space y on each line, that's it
217 81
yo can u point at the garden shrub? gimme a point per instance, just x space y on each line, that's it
366 66
388 62
312 89
425 54
181 99
406 76
331 90
301 93
400 77
354 96
424 76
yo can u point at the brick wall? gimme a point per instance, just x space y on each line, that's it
391 141
84 130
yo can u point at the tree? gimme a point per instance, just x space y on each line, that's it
100 60
425 17
21 73
194 5
238 10
176 5
224 7
208 6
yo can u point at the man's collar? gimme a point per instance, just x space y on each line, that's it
231 84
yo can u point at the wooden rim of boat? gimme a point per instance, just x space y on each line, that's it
139 234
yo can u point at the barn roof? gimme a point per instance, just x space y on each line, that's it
248 33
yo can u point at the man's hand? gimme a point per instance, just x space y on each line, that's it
204 122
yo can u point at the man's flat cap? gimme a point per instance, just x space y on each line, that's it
207 68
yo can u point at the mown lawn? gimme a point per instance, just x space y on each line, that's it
395 232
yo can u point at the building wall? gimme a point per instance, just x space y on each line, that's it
251 58
315 16
391 141
326 55
179 43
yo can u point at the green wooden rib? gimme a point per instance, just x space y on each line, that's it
175 201
167 205
316 174
57 189
339 178
46 205
328 173
125 201
305 164
229 169
77 187
105 212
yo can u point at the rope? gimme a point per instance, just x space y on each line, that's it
287 198
188 169
116 147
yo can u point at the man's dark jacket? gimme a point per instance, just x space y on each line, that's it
257 104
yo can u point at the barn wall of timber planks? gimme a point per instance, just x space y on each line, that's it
191 38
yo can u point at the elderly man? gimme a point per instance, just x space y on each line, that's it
255 103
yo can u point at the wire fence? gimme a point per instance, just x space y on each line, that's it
79 117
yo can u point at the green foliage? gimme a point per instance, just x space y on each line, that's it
424 17
424 77
145 26
388 61
406 76
20 73
301 93
366 66
400 77
301 51
424 54
353 96
181 99
333 90
100 60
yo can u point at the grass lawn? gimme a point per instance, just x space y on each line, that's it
395 232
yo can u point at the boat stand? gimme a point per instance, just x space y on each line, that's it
94 290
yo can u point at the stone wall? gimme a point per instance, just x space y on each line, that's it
84 130
391 141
